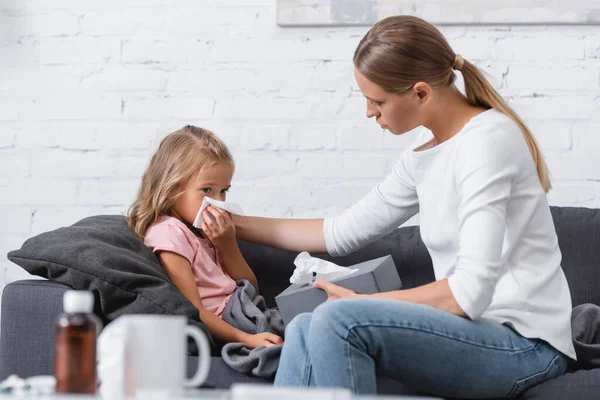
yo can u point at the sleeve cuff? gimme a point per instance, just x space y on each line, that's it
329 240
157 249
461 297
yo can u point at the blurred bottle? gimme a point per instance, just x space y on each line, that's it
76 332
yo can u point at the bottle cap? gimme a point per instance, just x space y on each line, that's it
78 301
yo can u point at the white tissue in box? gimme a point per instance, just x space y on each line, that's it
379 275
309 269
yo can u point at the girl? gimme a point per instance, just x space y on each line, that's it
497 319
190 164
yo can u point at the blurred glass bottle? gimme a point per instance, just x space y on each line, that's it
76 333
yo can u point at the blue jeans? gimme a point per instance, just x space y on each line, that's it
346 343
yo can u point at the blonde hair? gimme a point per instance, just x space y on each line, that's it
402 50
180 156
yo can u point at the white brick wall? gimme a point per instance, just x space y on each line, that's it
87 89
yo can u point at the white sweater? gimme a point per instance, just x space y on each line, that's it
485 220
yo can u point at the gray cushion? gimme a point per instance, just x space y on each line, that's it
582 384
222 377
27 341
578 231
103 255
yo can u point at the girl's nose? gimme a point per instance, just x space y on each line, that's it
220 196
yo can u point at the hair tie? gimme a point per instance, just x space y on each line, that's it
458 62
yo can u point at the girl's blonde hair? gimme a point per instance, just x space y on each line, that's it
180 156
402 50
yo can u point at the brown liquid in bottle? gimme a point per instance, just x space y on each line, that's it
75 351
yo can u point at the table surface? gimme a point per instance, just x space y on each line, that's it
241 392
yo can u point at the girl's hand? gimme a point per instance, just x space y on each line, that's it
219 228
335 291
263 339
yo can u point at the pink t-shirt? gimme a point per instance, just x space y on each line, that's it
215 286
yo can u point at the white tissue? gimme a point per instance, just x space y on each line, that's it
112 344
233 208
12 383
309 269
34 385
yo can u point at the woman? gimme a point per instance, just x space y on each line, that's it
497 319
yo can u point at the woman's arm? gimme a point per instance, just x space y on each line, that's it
287 234
436 294
383 209
180 273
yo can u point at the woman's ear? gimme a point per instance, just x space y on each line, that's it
423 91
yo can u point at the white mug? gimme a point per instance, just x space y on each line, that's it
147 354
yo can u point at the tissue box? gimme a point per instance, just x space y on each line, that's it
373 276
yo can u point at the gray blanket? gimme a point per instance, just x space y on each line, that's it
248 312
585 327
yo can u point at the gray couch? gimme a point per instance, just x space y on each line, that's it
30 306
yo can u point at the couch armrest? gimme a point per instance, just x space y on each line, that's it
29 308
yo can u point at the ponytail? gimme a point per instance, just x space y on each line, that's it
481 94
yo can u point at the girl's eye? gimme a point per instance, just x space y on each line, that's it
378 103
206 190
224 191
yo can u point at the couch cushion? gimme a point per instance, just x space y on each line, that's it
410 256
103 255
29 308
222 377
582 384
578 231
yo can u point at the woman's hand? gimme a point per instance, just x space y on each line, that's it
335 291
262 339
219 228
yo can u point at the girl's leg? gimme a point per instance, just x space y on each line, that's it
351 340
294 364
